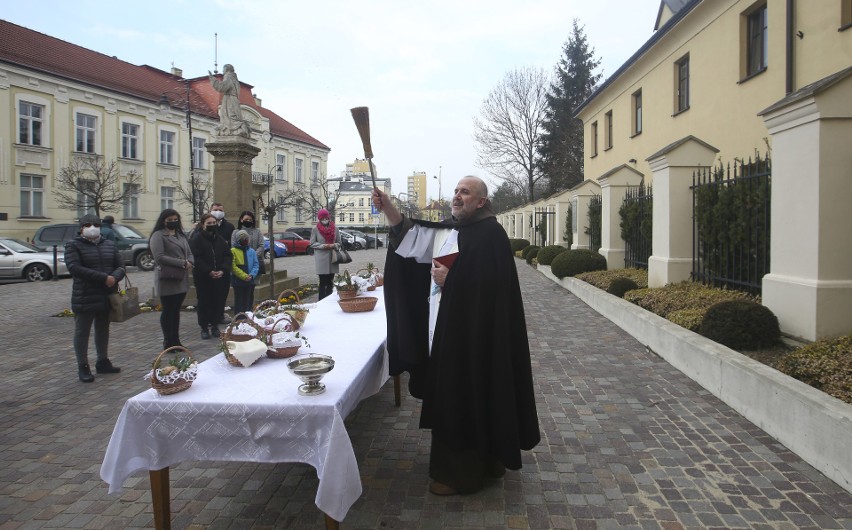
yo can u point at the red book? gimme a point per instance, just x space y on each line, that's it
447 260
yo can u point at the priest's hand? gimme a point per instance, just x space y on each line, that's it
439 273
383 203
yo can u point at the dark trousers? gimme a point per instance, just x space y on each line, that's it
170 319
465 471
224 286
211 301
82 329
243 298
326 286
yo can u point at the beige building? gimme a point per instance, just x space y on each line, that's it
59 102
417 189
723 81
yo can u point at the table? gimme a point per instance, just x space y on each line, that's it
256 414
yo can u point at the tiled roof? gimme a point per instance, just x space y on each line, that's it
36 51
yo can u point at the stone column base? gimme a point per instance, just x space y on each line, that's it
614 257
809 309
663 271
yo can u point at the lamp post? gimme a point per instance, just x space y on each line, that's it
164 105
440 196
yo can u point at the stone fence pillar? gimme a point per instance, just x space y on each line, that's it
581 195
614 184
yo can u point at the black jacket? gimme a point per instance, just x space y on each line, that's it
90 262
211 253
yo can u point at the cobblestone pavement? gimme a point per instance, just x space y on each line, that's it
627 440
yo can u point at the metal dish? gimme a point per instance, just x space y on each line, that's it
310 370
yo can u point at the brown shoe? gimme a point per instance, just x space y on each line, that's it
436 488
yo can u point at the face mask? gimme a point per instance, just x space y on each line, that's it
248 224
171 225
244 243
219 215
211 229
91 232
325 222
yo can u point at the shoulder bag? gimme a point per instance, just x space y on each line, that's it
124 304
340 256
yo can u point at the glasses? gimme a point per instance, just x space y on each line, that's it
87 225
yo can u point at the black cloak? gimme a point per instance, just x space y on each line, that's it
477 385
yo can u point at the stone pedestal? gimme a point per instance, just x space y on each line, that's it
809 287
614 184
581 195
232 157
673 166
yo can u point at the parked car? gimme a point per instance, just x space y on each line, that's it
19 259
294 242
372 241
132 246
280 248
302 231
352 242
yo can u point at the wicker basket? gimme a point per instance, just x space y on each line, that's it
283 353
164 388
228 335
267 308
347 294
358 305
300 314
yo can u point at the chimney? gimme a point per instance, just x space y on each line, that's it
177 72
257 100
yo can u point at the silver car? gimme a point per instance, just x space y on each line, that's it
22 260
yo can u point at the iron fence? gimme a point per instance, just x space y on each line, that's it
731 213
594 228
636 226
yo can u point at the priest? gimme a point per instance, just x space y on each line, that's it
456 324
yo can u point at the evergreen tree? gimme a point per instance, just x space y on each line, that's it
561 148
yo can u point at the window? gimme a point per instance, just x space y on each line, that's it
129 140
361 218
85 133
361 202
131 201
32 196
342 217
200 201
315 172
608 124
167 147
299 218
167 197
298 170
756 43
682 77
198 153
352 217
593 132
637 112
280 173
85 194
30 120
281 214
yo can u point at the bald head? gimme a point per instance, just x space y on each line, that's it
471 194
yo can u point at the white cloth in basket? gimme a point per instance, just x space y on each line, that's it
247 352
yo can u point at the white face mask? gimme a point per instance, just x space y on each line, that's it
218 214
91 232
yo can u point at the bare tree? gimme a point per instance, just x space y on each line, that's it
509 128
90 183
200 200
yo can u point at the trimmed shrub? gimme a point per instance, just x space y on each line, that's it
546 254
574 262
603 279
825 364
741 324
529 249
532 253
518 244
621 285
683 295
687 318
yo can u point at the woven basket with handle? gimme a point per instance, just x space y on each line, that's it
228 335
168 388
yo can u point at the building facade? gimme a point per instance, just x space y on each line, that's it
61 103
352 192
416 189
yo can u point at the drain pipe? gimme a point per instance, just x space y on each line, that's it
789 56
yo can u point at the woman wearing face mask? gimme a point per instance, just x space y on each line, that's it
324 239
246 222
244 269
170 248
212 258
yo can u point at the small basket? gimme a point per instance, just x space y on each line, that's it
380 276
270 330
300 314
228 336
179 385
358 305
347 294
373 277
283 353
267 308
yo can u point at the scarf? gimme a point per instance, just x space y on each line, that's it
327 232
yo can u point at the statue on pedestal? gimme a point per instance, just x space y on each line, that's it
231 121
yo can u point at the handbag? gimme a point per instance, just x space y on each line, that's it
124 304
261 266
340 256
170 272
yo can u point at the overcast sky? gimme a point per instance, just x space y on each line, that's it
423 68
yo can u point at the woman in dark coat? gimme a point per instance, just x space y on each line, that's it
95 265
170 248
212 258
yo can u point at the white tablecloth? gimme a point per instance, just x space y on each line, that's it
256 414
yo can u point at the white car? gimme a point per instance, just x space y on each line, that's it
22 260
353 242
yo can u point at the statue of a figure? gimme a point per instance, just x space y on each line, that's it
231 121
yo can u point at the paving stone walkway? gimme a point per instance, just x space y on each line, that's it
627 440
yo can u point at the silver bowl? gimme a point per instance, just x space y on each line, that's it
310 370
